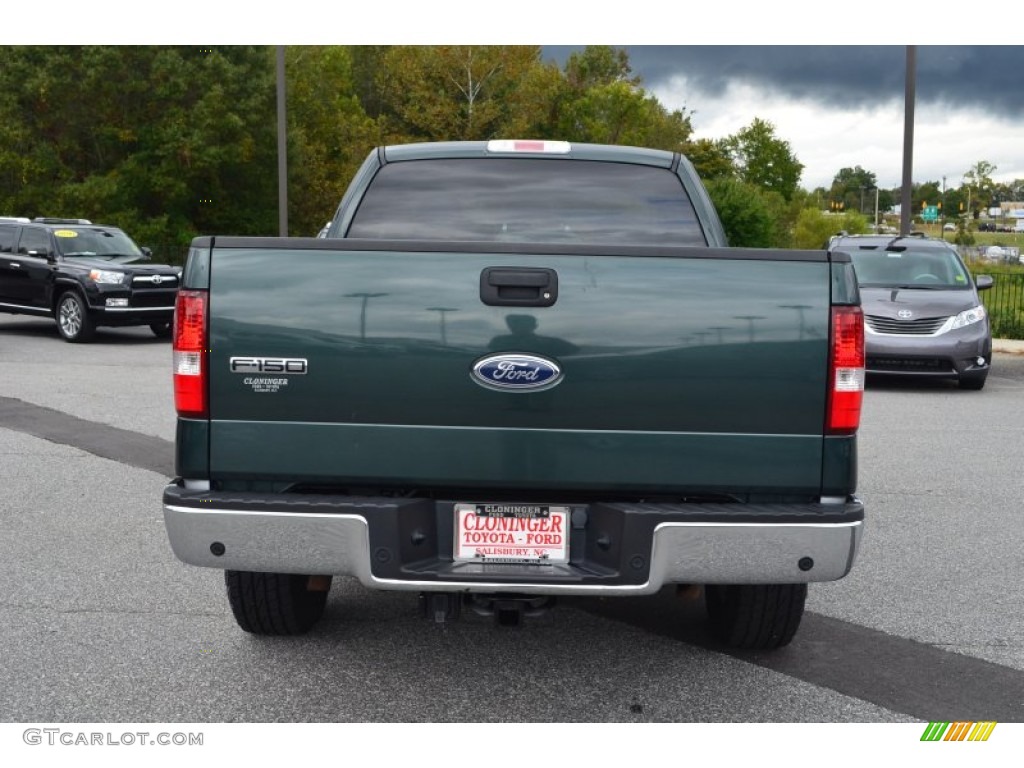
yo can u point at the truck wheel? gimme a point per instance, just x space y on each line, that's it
73 319
755 616
274 603
161 330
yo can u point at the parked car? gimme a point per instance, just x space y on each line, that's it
83 275
922 313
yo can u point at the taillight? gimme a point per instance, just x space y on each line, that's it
846 376
190 358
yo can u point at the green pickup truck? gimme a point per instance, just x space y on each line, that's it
512 371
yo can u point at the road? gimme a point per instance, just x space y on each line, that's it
100 623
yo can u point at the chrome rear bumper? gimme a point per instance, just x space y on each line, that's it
338 541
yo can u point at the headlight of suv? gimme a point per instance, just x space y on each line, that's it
106 277
968 317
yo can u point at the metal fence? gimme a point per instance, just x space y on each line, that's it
1004 302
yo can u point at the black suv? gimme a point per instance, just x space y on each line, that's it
83 275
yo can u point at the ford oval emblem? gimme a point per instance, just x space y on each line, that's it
516 373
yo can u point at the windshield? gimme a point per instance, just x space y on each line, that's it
95 241
921 268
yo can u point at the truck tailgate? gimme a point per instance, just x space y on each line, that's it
684 370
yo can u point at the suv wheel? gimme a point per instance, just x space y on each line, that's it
161 330
755 616
73 319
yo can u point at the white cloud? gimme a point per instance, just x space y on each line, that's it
947 141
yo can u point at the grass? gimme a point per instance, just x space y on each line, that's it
981 239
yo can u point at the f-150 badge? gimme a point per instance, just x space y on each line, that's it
516 373
292 365
278 368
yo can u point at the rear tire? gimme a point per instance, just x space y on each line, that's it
755 616
274 603
74 322
161 330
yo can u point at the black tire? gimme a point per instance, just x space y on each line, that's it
972 382
74 322
161 330
274 603
755 616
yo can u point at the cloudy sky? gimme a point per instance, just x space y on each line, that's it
843 106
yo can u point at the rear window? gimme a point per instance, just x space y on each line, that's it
527 200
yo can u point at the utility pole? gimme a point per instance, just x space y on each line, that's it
282 148
908 140
942 207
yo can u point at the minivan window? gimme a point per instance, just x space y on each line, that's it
527 200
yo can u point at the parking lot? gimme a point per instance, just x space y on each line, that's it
100 623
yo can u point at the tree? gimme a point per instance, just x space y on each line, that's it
851 186
166 142
452 92
711 158
599 65
763 159
813 228
329 132
746 214
603 103
978 180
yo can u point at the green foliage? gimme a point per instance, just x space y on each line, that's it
165 142
746 213
598 65
763 159
711 159
329 133
452 92
855 188
813 228
963 235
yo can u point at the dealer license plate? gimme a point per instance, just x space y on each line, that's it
511 533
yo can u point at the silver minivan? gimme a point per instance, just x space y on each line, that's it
922 313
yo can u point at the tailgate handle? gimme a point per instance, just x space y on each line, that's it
518 287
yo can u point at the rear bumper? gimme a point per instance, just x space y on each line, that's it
615 549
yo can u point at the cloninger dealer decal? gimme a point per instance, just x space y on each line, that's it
268 374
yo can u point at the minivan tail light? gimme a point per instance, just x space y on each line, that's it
190 354
846 371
